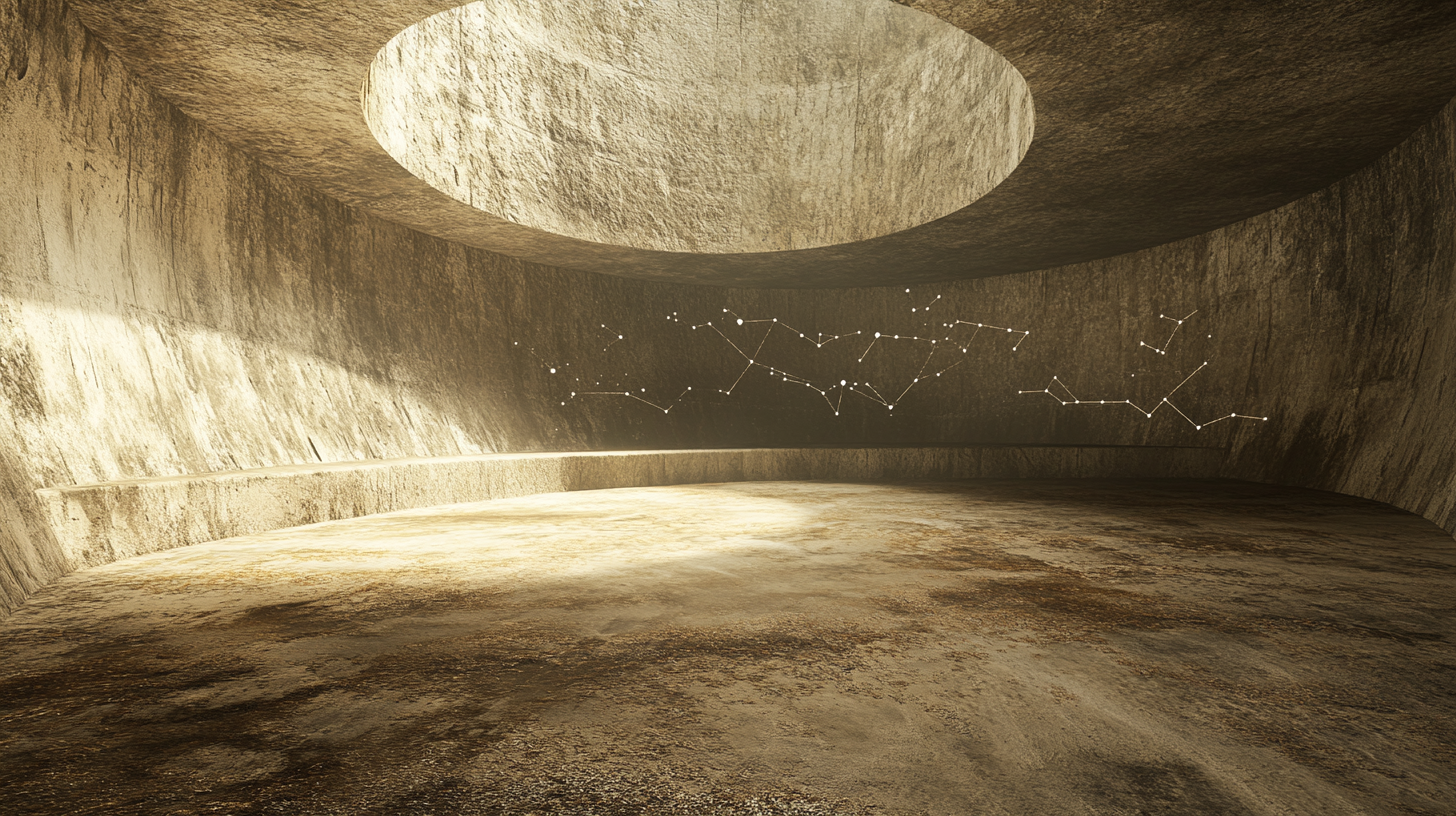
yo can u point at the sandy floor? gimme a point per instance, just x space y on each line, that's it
774 648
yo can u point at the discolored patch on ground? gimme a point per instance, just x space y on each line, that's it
997 647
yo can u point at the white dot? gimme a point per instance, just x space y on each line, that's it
1198 427
841 382
740 321
877 334
553 371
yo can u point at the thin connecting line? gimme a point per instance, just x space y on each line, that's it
927 306
932 366
663 408
1065 396
615 338
820 340
980 326
1178 324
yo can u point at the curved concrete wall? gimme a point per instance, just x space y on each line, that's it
100 523
170 307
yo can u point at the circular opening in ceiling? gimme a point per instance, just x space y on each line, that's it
681 126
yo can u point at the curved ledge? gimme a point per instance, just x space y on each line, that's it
100 523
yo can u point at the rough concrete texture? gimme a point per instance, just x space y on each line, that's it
1156 120
690 127
796 648
100 523
169 307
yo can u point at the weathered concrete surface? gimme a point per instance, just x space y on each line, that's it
100 523
1156 120
792 648
682 126
168 307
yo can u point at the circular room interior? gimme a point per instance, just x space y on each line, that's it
664 407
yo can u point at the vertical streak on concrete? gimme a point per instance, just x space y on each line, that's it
169 306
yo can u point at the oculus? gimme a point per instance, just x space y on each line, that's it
689 126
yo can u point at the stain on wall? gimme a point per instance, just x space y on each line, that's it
169 305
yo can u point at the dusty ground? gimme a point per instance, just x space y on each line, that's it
776 648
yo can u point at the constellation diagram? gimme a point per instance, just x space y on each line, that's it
934 356
612 337
1177 324
1058 390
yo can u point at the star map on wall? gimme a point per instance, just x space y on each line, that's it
1058 390
937 350
773 348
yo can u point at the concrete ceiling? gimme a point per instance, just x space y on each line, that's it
681 126
1155 120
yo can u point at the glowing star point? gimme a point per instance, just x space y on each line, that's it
761 343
